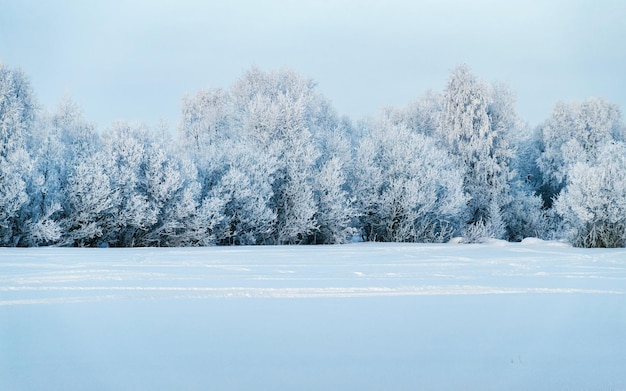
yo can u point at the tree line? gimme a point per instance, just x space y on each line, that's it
269 161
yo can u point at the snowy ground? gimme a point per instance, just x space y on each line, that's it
530 316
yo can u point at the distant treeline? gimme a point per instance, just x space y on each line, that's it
269 161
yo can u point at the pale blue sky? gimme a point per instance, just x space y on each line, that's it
136 59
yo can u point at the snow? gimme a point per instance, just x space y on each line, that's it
534 315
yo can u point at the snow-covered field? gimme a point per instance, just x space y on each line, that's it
498 316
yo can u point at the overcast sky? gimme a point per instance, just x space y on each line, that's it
135 60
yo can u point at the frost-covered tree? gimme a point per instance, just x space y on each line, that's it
43 212
407 188
59 142
574 133
284 113
156 193
277 121
125 145
234 170
474 127
593 204
91 213
259 149
17 117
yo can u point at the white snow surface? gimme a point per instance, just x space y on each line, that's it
364 316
